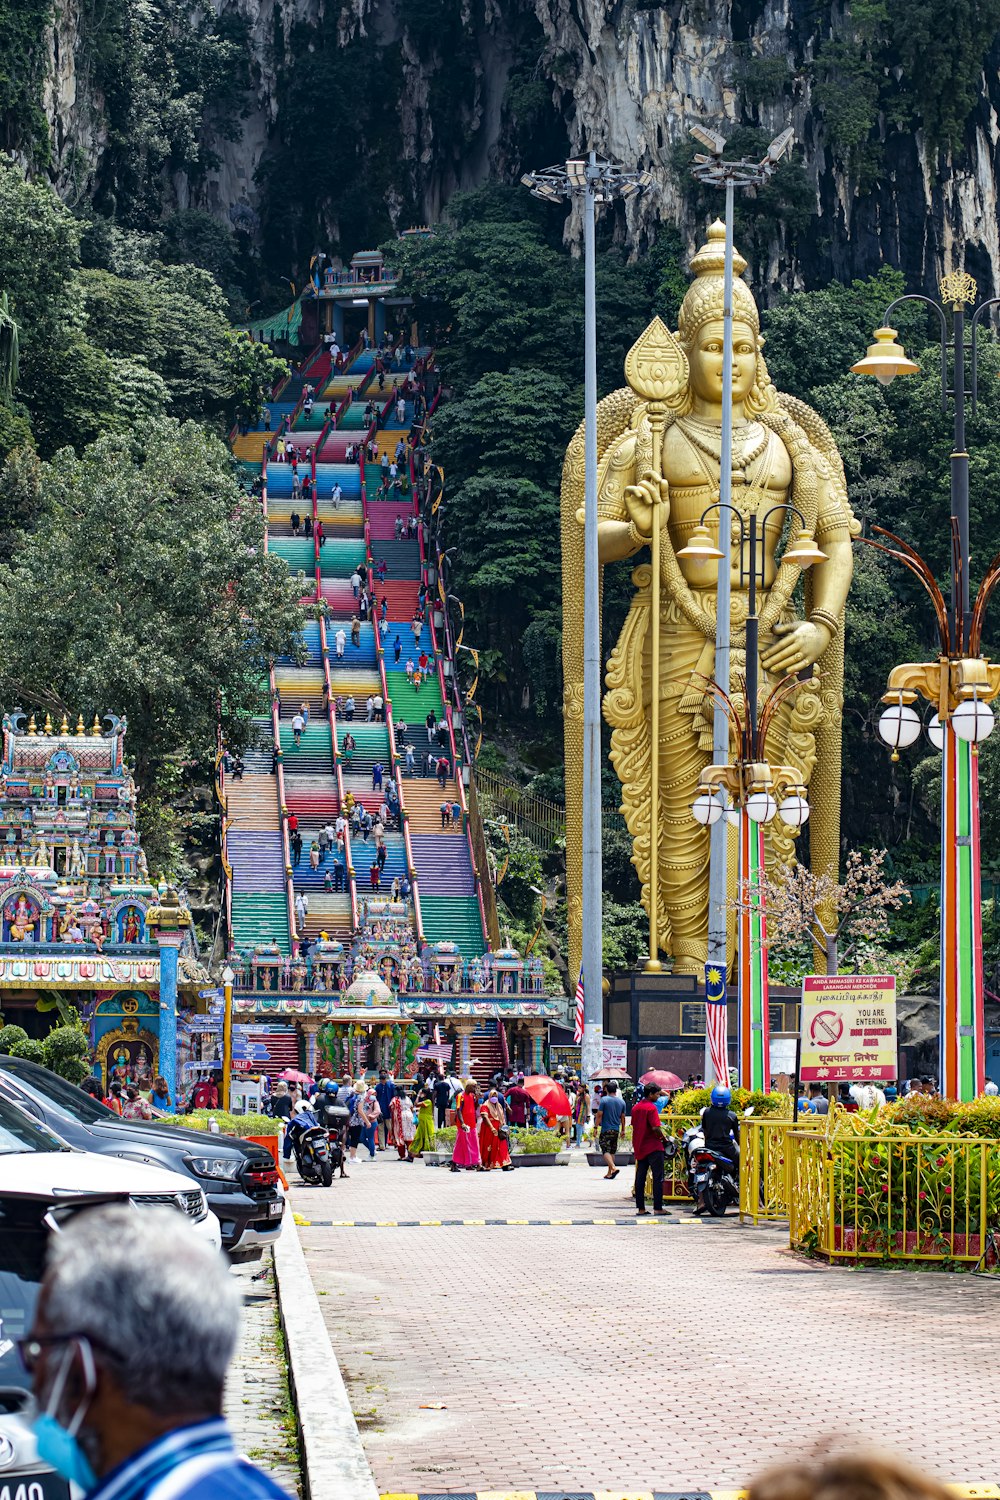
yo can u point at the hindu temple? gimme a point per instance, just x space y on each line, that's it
81 923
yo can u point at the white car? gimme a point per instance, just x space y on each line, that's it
63 1173
42 1182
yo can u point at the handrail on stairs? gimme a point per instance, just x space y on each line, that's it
404 816
352 889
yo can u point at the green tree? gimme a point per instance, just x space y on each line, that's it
148 593
66 1051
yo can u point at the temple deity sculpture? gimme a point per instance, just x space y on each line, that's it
659 446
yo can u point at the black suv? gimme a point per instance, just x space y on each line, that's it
239 1179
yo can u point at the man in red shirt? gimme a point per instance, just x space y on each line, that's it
648 1145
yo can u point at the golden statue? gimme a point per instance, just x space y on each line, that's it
659 444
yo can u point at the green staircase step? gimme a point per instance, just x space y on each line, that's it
260 919
455 919
297 551
410 706
339 556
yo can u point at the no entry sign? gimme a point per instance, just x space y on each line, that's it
848 1028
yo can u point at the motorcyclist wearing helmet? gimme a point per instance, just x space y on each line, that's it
720 1126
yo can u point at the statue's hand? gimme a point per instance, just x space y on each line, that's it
795 646
640 500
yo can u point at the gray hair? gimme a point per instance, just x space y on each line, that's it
141 1283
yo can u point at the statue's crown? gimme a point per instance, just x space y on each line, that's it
704 298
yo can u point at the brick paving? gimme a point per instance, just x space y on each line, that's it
256 1402
657 1355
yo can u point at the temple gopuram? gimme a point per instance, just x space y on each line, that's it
79 914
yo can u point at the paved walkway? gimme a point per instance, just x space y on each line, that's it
635 1356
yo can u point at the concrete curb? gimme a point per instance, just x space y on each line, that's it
334 1464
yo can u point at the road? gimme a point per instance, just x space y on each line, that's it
645 1355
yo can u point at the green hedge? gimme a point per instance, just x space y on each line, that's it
240 1125
522 1142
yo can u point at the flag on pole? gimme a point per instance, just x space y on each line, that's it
717 1021
578 1019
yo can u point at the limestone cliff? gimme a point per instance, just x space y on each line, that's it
333 123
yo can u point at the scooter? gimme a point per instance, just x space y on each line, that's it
712 1179
311 1146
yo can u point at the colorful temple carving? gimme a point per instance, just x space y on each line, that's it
369 1004
78 913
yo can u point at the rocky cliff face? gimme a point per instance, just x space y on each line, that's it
469 88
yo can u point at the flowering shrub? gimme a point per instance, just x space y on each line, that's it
915 1177
775 1106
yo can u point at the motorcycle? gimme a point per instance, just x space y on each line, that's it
712 1179
335 1119
311 1146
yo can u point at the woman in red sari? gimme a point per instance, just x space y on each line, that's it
466 1153
493 1135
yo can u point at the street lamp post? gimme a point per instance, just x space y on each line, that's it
960 685
228 978
592 181
748 790
713 171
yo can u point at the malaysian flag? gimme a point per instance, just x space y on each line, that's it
716 1021
578 1018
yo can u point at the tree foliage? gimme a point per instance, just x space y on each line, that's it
847 920
144 589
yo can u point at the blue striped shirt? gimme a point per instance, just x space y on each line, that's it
196 1462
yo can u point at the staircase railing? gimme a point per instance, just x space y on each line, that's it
488 890
352 889
404 816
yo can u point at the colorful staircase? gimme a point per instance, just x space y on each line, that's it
358 532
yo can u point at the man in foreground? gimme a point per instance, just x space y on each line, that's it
129 1377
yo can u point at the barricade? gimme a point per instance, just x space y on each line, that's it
893 1197
764 1161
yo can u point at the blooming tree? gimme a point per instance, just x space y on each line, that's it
848 922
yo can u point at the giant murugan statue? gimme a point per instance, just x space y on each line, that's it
668 449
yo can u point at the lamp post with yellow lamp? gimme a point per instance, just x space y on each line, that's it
228 978
750 791
960 685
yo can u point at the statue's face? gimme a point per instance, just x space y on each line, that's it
706 361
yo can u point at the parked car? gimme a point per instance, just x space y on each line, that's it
238 1178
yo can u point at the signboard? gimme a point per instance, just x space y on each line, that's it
848 1028
567 1054
615 1052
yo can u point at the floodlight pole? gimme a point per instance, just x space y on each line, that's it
593 180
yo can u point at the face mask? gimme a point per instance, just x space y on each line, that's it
58 1446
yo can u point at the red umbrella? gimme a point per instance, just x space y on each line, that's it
292 1075
666 1081
606 1074
546 1092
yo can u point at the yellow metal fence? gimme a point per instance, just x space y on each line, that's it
892 1197
764 1164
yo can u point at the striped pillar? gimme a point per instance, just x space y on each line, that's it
753 990
963 1051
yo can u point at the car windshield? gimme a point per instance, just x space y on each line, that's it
64 1095
19 1132
23 1239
